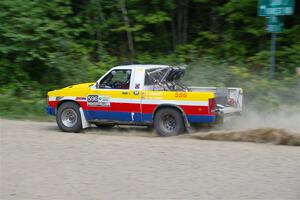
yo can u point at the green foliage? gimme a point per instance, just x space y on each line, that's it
38 42
259 91
95 71
22 101
50 44
153 18
12 107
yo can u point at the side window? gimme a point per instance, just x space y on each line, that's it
116 79
148 80
156 73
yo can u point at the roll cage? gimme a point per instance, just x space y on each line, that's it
168 79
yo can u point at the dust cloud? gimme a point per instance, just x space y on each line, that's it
257 123
281 128
255 119
259 135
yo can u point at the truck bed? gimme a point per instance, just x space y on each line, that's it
229 100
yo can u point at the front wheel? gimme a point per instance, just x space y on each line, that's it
168 122
68 117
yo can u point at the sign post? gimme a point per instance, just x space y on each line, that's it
272 59
274 11
274 25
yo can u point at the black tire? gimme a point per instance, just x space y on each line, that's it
168 122
104 126
62 117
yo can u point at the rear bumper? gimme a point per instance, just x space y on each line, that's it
50 111
201 118
230 110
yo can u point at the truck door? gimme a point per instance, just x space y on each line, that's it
112 99
137 93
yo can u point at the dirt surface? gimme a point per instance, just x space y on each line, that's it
40 162
259 135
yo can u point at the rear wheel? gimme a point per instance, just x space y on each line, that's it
68 117
168 122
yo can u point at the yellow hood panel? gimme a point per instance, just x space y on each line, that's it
72 90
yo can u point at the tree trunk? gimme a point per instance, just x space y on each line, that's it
99 18
185 22
174 33
127 24
261 43
180 22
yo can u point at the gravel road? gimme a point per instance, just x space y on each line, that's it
38 162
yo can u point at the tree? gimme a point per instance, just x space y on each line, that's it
127 24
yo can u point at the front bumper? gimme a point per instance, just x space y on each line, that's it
50 111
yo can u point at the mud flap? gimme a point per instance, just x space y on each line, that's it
84 122
187 124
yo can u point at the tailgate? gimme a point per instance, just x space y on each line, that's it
228 100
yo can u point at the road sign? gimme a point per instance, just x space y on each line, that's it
275 7
275 24
272 9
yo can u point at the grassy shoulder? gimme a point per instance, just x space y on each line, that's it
19 108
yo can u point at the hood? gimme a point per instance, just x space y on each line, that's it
79 86
72 90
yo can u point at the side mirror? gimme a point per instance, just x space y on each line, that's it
97 84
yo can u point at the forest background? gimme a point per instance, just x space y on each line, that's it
46 45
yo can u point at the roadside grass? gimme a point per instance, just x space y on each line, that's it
19 108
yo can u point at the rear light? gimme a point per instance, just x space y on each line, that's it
211 105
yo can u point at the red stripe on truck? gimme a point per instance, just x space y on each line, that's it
146 108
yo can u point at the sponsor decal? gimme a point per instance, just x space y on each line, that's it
137 86
154 95
136 92
180 95
96 100
80 98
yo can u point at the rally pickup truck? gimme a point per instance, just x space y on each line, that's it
148 95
